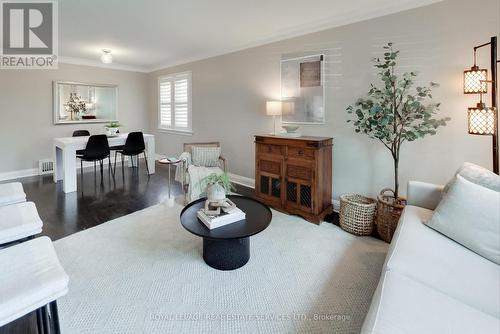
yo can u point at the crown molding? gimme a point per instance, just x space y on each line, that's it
301 30
96 63
332 22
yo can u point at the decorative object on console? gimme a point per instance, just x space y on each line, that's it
357 214
294 175
483 120
303 88
290 131
273 108
393 123
113 128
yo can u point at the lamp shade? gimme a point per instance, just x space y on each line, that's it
288 107
273 108
482 120
472 80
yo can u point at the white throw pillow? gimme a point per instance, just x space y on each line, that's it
205 156
470 215
476 174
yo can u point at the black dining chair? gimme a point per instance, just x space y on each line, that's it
134 146
97 149
81 133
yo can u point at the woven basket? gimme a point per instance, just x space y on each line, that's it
357 213
389 210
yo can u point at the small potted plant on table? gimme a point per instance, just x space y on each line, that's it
394 114
217 186
112 128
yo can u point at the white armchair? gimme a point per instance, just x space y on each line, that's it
191 174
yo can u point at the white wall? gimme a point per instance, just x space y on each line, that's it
229 94
26 121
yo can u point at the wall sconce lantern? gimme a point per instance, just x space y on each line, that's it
473 78
483 120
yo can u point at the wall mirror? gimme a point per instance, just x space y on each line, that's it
84 103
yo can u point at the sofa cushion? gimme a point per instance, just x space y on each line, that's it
476 174
470 215
18 221
423 254
403 305
34 279
11 193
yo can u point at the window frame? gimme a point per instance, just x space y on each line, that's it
172 78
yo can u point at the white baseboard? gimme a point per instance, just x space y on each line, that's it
34 171
18 173
242 180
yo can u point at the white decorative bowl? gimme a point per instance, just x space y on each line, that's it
290 128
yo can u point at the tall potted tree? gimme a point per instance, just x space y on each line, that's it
393 114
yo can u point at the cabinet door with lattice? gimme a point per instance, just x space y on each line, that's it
299 186
269 181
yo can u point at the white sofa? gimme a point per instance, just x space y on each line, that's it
430 283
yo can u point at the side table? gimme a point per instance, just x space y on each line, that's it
170 161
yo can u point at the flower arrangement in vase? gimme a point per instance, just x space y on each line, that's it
75 105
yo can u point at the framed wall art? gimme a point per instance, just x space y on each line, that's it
303 89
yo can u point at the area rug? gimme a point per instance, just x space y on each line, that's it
143 273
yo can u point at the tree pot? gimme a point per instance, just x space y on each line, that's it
389 211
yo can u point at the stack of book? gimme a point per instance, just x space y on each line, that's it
226 217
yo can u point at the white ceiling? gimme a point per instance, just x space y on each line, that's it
151 34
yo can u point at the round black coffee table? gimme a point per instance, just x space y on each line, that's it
228 247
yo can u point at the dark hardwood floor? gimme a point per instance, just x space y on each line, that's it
97 201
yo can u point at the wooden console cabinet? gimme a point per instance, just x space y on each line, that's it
294 175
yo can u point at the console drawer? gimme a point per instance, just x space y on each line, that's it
270 149
299 152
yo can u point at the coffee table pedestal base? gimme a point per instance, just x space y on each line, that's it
226 254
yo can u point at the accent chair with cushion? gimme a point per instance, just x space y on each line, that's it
199 161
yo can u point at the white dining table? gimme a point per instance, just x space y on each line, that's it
64 158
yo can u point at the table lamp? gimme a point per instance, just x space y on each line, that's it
273 108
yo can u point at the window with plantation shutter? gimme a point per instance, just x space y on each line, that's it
174 105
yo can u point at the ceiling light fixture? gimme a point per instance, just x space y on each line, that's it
106 57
